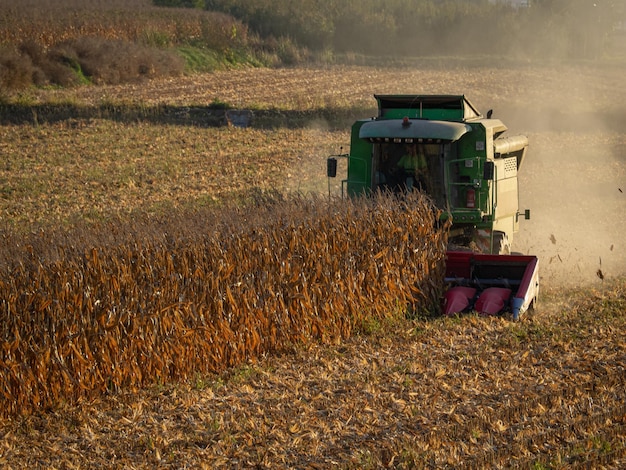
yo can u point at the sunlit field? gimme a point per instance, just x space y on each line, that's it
131 170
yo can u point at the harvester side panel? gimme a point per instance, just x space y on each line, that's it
359 162
506 198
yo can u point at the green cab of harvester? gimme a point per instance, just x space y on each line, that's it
442 145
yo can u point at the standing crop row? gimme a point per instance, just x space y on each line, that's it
48 23
161 309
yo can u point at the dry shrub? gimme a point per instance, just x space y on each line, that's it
103 61
16 71
30 64
168 299
46 69
115 61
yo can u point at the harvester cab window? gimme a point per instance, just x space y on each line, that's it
409 166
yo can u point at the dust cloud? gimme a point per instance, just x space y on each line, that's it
573 183
574 177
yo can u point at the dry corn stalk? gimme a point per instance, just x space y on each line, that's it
167 308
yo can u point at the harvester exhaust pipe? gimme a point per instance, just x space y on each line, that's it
515 143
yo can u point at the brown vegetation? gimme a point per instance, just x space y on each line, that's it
48 23
96 60
196 296
461 393
91 170
67 43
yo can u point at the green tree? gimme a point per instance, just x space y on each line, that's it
549 28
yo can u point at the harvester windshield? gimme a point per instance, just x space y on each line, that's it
410 166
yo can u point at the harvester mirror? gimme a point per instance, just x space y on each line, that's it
488 171
331 167
527 214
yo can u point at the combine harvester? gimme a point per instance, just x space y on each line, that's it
442 145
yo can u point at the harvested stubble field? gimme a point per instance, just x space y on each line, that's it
471 392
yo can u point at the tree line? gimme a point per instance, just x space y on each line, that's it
564 29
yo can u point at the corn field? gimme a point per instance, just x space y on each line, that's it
164 308
47 23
